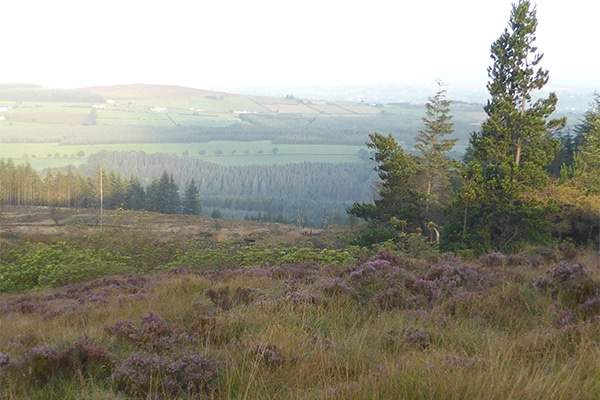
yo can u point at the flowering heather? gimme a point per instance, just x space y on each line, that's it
450 277
192 373
375 271
493 259
135 374
154 332
336 287
304 271
42 363
266 354
141 374
429 289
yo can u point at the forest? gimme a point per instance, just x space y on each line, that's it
307 192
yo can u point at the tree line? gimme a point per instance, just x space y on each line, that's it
305 193
521 181
21 185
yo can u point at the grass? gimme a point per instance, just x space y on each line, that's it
42 155
379 326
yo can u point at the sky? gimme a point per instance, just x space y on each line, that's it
224 44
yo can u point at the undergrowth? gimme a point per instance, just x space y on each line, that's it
301 323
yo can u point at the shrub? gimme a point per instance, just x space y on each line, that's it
219 297
41 363
145 375
266 354
154 332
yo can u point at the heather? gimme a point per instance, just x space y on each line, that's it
197 319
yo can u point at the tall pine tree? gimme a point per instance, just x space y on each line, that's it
433 144
495 209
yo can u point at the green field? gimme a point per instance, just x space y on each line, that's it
54 128
46 155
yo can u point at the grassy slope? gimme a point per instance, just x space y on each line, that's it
394 326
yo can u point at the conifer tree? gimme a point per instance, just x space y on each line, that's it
590 148
191 200
495 208
399 202
433 144
135 194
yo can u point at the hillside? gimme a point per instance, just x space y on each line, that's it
149 92
149 306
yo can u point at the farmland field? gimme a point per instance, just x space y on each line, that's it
44 155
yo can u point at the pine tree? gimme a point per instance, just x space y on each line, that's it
171 191
495 209
433 145
135 194
399 201
154 198
590 148
191 200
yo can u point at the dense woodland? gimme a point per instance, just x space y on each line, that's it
309 193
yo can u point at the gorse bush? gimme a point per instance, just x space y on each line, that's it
37 265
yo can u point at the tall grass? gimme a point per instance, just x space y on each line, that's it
385 327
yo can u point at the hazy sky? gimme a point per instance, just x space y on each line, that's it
227 43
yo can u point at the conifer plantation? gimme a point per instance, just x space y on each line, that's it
476 278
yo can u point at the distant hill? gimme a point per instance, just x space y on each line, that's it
150 92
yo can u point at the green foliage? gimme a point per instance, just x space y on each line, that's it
191 200
509 153
399 196
30 266
162 195
590 149
434 146
251 256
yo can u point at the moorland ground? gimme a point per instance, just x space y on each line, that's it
141 305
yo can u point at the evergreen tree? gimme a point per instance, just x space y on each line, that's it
162 195
434 146
115 191
590 148
191 200
565 154
135 194
495 209
171 193
399 202
154 200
